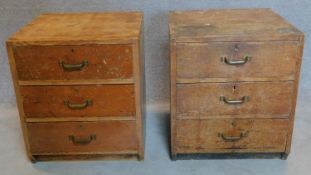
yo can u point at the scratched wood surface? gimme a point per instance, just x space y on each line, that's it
51 28
104 62
99 156
199 42
79 57
230 25
206 136
110 137
265 100
106 101
267 59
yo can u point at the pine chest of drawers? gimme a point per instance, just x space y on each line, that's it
79 83
234 81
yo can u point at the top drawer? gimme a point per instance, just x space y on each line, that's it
236 60
74 62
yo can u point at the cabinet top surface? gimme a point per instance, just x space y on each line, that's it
81 27
230 24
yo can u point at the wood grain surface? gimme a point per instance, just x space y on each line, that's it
63 28
204 136
111 137
107 101
81 58
267 60
104 62
230 25
265 100
201 121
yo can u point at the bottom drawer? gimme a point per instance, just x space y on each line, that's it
106 137
231 135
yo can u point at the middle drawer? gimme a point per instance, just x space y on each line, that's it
78 101
244 100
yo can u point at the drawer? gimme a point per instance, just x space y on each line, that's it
231 135
74 62
243 100
82 137
236 60
78 101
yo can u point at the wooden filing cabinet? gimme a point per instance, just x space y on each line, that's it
234 81
79 83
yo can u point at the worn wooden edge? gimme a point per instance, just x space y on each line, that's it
18 98
87 153
138 80
111 40
143 85
60 42
299 32
173 12
75 82
235 116
173 102
237 38
258 119
199 156
90 12
295 93
228 80
84 157
299 36
78 119
223 38
247 42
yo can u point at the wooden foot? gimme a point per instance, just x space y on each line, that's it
173 157
33 160
141 157
284 156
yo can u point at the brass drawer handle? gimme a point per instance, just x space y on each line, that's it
82 141
234 102
73 67
235 62
232 138
78 106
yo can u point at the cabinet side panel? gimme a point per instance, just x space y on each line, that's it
295 93
173 95
139 95
143 87
18 98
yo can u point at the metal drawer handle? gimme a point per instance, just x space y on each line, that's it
232 138
82 141
73 67
234 102
235 62
78 106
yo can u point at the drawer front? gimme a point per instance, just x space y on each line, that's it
78 101
249 100
231 135
82 137
236 60
74 62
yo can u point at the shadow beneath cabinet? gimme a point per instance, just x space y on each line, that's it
158 130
